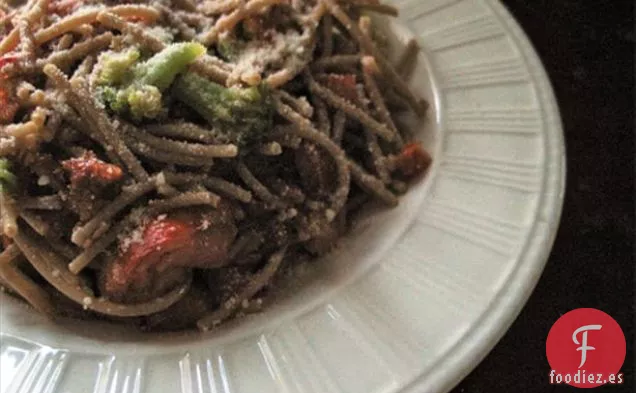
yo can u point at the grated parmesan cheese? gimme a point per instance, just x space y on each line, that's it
7 143
44 181
136 236
282 50
160 180
205 224
230 303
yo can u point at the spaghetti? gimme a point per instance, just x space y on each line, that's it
171 157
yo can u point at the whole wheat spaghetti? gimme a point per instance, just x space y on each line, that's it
173 157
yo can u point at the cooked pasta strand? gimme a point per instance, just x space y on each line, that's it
305 130
83 234
85 105
300 104
27 40
214 183
11 40
257 187
336 62
217 7
145 13
405 64
91 252
342 104
55 271
257 283
380 106
242 11
10 253
207 65
113 181
372 184
11 275
339 123
379 8
184 148
175 21
79 51
65 42
164 156
8 215
368 47
327 36
40 226
189 131
188 199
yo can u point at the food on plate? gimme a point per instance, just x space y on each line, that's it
162 162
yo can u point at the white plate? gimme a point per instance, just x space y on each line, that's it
415 298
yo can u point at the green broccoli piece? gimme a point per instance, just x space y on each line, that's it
115 99
7 178
135 88
161 69
244 115
116 68
144 101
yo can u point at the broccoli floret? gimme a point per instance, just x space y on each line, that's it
114 98
161 69
116 68
135 88
145 102
140 101
7 178
243 114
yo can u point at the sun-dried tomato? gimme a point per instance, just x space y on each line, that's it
89 167
9 59
160 238
413 160
343 85
8 106
192 238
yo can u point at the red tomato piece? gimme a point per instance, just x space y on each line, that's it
188 238
343 85
413 160
88 166
8 106
9 59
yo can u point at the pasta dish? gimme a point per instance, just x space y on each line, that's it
163 162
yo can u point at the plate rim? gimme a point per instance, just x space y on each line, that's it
473 347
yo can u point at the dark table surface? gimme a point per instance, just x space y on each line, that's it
587 47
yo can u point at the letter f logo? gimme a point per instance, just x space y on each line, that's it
584 347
